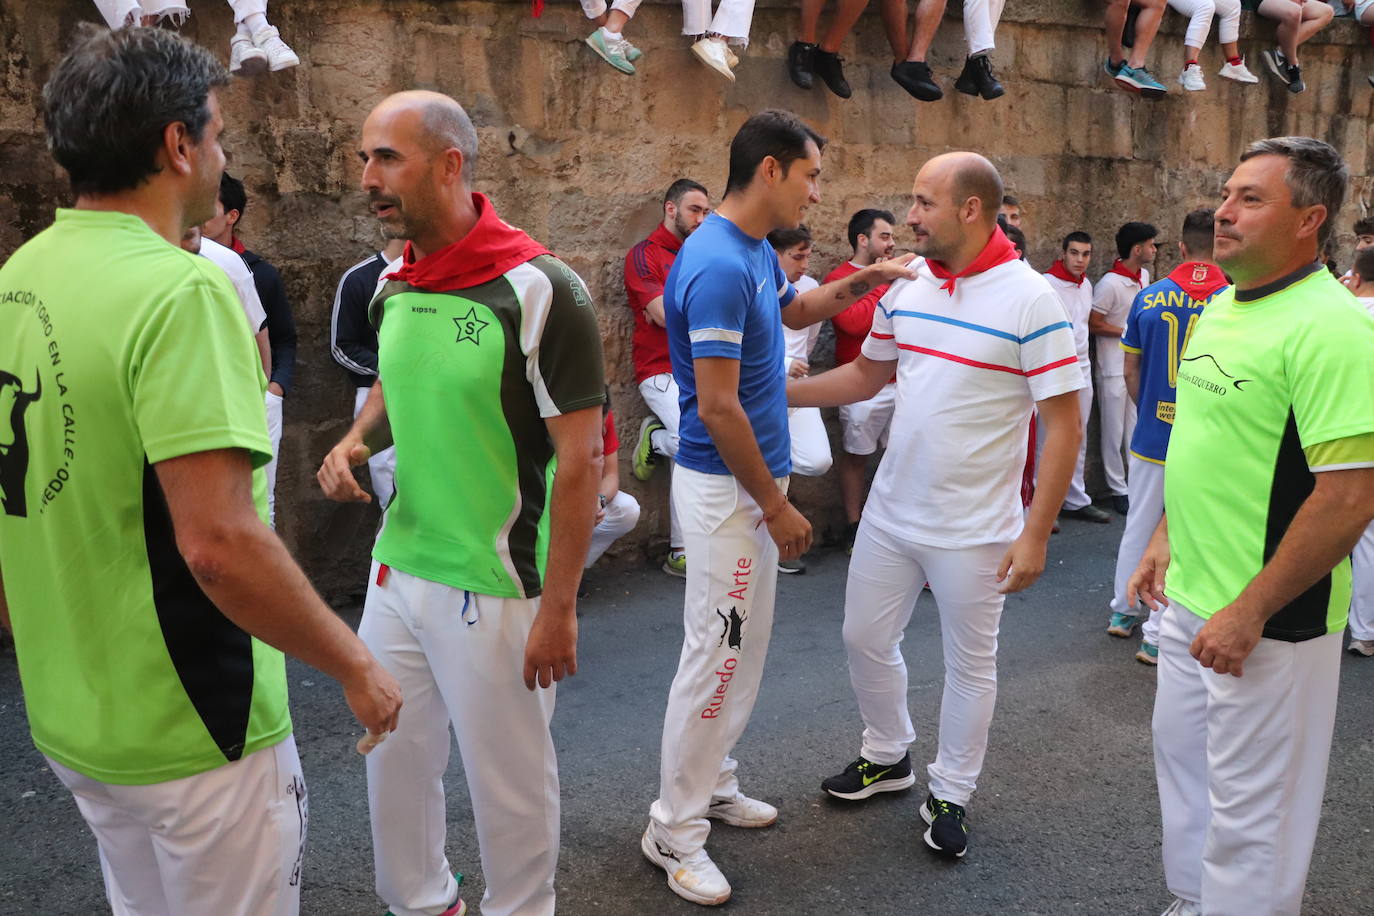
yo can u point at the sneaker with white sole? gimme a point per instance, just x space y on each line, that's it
1147 654
716 55
1191 78
1238 72
246 58
1139 79
947 833
864 778
1122 625
692 877
614 51
1181 907
742 811
1361 647
676 564
279 53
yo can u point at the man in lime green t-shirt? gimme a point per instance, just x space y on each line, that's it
144 591
490 384
1268 485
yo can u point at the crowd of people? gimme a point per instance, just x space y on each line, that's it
136 522
1130 29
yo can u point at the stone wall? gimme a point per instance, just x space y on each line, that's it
578 155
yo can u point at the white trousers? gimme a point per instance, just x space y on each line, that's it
1200 13
885 578
1116 411
459 658
810 442
1241 764
865 424
727 618
119 13
1362 587
732 19
980 23
1147 508
1077 496
595 9
226 842
381 467
660 393
622 513
273 404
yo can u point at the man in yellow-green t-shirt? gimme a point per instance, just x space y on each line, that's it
149 601
1269 483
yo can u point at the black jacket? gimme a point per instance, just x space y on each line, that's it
281 327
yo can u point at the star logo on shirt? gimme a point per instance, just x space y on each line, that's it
470 326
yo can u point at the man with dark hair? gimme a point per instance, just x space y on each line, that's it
1268 487
978 340
281 326
911 71
491 385
1364 233
726 301
353 344
1112 298
1160 324
1068 277
864 425
1011 210
647 264
144 590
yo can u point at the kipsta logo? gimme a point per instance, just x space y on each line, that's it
14 440
731 628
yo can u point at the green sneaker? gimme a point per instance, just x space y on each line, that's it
645 460
632 53
676 564
611 50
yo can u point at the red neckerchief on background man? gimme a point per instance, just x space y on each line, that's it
1119 268
236 245
1057 269
1199 279
998 250
490 248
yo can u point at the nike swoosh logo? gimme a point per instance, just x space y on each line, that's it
870 780
759 288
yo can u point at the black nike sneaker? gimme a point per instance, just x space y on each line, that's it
947 834
863 778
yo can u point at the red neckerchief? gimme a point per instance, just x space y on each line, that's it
664 236
1119 268
490 248
237 245
998 250
1199 279
1058 270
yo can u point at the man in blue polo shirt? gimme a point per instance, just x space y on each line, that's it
1158 327
725 301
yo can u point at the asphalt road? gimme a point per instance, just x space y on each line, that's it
1066 819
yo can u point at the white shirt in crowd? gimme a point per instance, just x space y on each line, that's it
1112 297
798 343
228 261
970 368
1078 304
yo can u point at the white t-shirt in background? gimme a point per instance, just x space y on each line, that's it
1078 304
1112 297
799 343
228 261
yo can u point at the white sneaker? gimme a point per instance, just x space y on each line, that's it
742 811
1191 78
245 57
279 53
730 57
715 55
1363 647
1181 907
1238 72
694 877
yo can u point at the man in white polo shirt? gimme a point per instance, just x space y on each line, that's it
1112 298
978 340
1068 278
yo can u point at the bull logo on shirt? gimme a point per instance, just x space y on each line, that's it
732 628
14 440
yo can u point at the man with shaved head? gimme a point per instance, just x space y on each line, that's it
978 340
490 385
